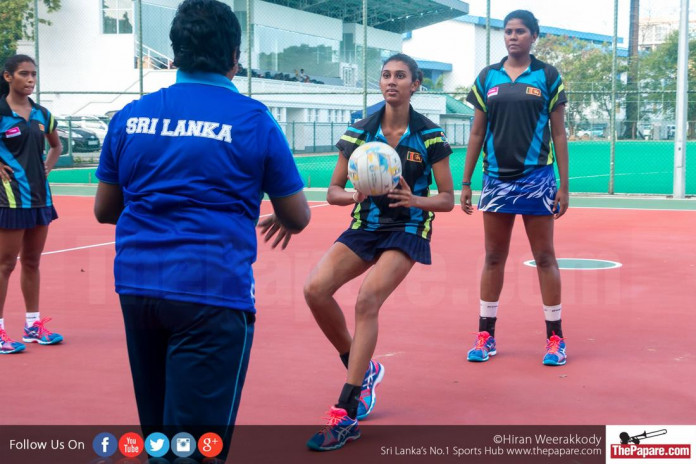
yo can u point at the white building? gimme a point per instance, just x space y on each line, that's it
460 44
654 31
88 55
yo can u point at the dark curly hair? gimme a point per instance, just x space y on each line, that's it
205 36
527 18
11 66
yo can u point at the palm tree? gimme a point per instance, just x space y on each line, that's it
631 121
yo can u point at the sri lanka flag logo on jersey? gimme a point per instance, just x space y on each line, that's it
14 132
414 156
534 91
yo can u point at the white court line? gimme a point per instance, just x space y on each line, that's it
77 248
632 209
619 174
111 243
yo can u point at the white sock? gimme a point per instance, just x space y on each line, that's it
2 323
488 309
552 313
31 318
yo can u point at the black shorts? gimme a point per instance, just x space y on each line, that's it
368 245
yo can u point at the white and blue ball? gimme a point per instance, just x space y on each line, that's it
374 168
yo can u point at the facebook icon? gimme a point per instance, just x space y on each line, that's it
105 444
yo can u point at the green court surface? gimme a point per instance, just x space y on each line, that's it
640 167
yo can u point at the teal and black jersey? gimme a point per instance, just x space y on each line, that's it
422 145
22 148
517 134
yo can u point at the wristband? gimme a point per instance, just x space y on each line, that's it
466 184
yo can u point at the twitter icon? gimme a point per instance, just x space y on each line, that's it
157 444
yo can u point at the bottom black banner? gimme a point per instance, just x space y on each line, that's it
287 445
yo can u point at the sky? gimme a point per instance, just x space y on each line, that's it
595 16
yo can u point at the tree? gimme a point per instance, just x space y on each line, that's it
461 92
434 86
658 78
17 23
586 71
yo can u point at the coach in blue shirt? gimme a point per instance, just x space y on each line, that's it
182 174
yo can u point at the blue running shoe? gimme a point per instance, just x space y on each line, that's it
9 346
368 394
483 348
38 333
339 430
555 351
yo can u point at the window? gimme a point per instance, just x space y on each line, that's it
284 53
117 16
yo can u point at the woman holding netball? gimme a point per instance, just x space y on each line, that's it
387 235
519 109
26 205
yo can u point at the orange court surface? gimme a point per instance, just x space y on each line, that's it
629 330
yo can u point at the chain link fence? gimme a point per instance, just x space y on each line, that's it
316 66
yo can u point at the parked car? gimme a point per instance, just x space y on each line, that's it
83 140
591 133
91 123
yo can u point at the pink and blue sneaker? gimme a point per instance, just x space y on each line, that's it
484 347
38 333
9 346
339 430
555 351
368 394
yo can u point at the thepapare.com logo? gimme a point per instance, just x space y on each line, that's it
632 445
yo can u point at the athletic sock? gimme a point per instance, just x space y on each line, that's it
552 314
344 358
31 318
350 396
487 324
553 328
488 314
2 323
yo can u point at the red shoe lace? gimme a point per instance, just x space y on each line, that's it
554 344
334 416
4 337
481 340
42 328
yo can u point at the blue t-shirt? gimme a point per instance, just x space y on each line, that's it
193 161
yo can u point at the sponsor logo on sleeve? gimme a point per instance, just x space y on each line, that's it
444 139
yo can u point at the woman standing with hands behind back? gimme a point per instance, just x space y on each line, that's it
515 100
26 206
